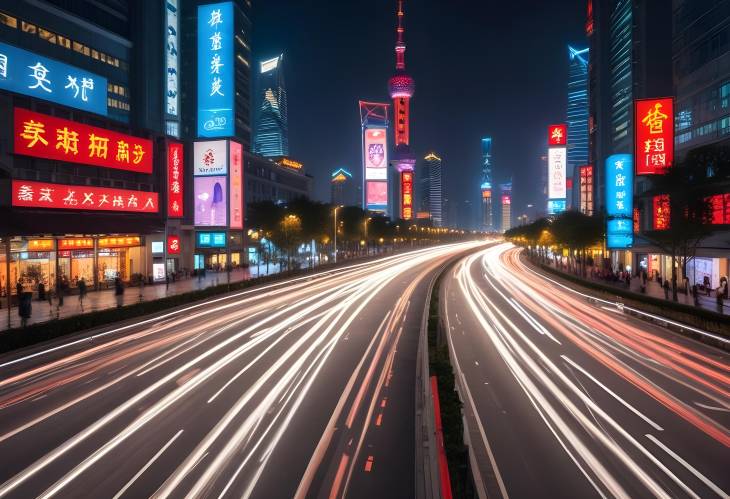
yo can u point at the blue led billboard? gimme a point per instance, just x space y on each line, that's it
210 240
556 206
619 233
619 201
30 74
216 88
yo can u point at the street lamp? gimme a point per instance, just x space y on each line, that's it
365 225
335 238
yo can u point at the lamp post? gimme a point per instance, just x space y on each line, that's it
335 238
365 224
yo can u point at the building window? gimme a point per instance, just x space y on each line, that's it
725 95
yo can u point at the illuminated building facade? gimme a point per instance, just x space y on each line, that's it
577 116
435 198
342 188
487 222
506 202
272 128
401 87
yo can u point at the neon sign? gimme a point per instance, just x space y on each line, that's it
654 135
30 194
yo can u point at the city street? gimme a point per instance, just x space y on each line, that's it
567 398
303 388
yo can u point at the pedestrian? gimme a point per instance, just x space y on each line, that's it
666 289
718 299
19 289
119 291
628 280
81 283
25 307
60 291
643 276
167 281
706 284
695 295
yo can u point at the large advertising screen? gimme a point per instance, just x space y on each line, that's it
30 74
211 205
216 90
210 158
376 154
556 172
654 135
586 189
620 185
175 180
236 184
43 136
619 233
29 194
377 194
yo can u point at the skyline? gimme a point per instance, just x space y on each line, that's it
361 70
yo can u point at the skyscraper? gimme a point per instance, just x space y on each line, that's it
272 128
577 116
433 166
487 221
506 201
401 87
342 188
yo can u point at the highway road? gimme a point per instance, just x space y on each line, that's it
298 389
570 398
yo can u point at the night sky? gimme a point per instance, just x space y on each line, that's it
481 67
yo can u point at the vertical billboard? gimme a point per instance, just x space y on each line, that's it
586 189
175 180
620 201
172 57
406 195
662 211
236 186
216 90
556 172
211 206
376 154
210 158
654 135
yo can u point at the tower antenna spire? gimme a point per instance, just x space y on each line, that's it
400 45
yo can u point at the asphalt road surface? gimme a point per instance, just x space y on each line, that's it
299 389
570 398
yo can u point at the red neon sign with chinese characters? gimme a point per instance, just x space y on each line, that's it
586 189
661 212
43 136
27 194
720 209
175 180
557 135
407 199
654 135
173 245
637 220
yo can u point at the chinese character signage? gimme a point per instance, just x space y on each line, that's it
556 206
236 186
661 212
210 240
619 185
654 140
26 73
619 233
173 245
557 135
28 194
720 209
48 137
175 180
216 90
376 154
586 189
407 195
211 158
556 172
76 244
211 207
172 57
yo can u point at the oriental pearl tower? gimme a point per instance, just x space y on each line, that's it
401 87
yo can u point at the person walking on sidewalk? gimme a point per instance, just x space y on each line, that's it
666 289
25 306
119 291
82 292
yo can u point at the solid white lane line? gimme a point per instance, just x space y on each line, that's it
613 394
711 408
149 463
717 490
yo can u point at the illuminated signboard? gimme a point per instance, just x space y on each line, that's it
662 212
236 186
28 194
637 220
556 206
556 172
216 90
210 240
619 233
654 135
586 189
210 158
557 135
269 64
40 245
158 247
376 154
211 206
486 194
377 195
175 180
75 244
120 242
619 185
506 199
26 73
173 245
48 137
172 56
290 163
407 195
720 209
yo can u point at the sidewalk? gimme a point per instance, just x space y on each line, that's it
104 299
654 290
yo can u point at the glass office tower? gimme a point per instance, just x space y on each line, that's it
272 129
